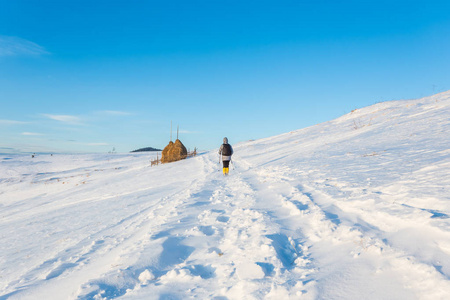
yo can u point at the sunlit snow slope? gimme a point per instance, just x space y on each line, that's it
355 208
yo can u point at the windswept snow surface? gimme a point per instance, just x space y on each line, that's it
355 208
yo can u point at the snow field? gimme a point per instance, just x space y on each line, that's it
355 208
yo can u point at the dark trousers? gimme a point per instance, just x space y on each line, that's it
226 163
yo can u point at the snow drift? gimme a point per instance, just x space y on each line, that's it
354 208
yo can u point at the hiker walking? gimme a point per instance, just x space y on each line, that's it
226 151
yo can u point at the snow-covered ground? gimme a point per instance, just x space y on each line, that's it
355 208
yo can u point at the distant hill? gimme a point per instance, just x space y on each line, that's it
147 149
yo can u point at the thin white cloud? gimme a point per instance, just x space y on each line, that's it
64 118
10 46
32 133
11 122
116 113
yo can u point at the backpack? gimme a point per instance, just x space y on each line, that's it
226 150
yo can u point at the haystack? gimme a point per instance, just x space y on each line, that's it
174 152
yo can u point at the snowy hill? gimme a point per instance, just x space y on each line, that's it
354 208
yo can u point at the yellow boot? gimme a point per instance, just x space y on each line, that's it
225 171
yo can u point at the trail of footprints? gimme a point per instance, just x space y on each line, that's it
250 245
231 240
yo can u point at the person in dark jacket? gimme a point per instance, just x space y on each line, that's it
226 151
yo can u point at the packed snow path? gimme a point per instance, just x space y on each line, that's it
355 208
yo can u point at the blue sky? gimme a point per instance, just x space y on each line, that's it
87 76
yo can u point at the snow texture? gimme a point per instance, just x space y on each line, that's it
354 208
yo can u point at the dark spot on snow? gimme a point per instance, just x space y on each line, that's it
223 219
107 291
204 272
333 218
284 250
207 230
440 270
267 268
200 203
438 215
174 252
300 205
